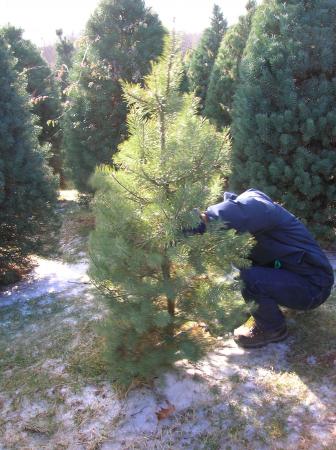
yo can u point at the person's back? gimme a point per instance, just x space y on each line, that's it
280 236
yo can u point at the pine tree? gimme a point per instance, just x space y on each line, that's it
65 50
158 282
64 60
224 75
184 86
120 40
27 188
284 126
42 90
204 56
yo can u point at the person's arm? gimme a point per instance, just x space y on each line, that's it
252 211
230 213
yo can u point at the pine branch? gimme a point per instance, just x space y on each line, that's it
140 200
103 289
137 99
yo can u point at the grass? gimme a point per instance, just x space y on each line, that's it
86 359
47 344
77 224
34 332
313 351
23 350
30 362
42 423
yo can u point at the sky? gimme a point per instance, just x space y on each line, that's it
40 18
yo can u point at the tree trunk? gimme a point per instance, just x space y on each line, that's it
166 276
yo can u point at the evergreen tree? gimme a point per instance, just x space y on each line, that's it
121 39
158 282
204 56
64 60
284 125
27 188
42 90
184 86
224 75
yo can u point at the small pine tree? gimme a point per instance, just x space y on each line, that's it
158 282
41 87
27 188
205 54
121 39
224 75
284 126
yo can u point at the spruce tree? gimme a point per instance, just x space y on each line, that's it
284 125
159 282
120 40
27 188
204 56
224 75
41 87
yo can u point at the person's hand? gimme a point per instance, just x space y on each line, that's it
204 217
201 227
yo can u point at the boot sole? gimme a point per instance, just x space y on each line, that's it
261 344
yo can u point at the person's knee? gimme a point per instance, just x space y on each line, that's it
245 274
249 278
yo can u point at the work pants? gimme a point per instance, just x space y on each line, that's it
269 288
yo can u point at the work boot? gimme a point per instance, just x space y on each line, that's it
250 335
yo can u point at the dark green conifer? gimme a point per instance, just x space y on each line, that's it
160 284
27 187
41 87
204 56
120 40
284 126
224 75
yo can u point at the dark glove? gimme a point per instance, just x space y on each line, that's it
200 228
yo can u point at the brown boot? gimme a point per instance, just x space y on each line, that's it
249 335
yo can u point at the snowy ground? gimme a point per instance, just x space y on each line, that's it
54 392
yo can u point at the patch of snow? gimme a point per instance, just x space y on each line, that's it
139 413
65 417
101 398
31 409
54 366
48 277
68 195
184 392
69 321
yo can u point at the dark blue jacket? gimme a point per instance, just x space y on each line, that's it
279 235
